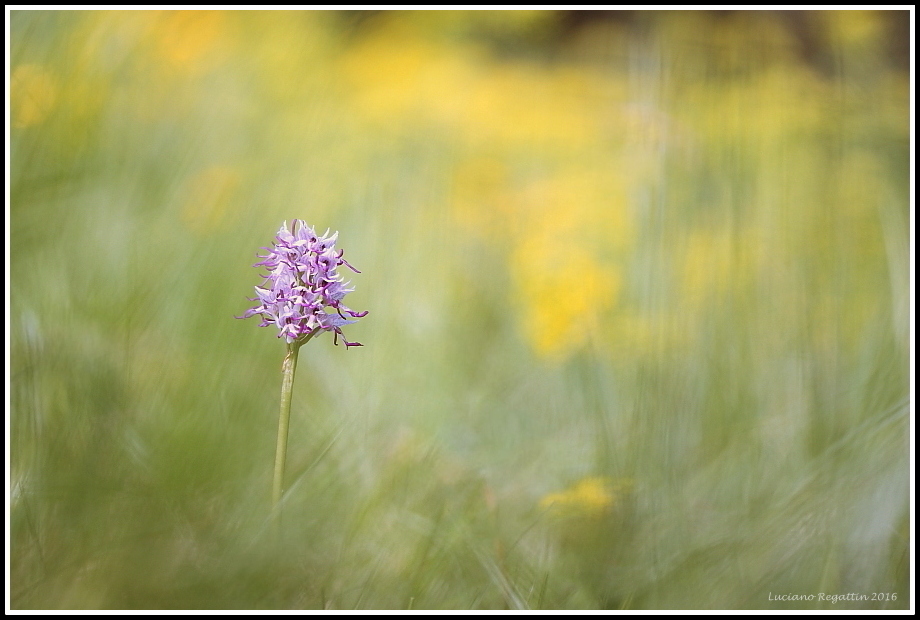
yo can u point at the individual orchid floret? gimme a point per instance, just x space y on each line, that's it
303 291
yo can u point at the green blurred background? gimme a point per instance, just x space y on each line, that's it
639 309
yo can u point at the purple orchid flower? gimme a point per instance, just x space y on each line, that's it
302 293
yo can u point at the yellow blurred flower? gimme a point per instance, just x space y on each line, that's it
855 30
571 231
187 38
33 93
563 294
589 497
521 105
396 75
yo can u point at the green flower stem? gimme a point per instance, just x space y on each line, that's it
288 367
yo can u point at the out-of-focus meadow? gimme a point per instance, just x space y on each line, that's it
639 309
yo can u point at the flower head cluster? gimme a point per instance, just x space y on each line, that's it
302 293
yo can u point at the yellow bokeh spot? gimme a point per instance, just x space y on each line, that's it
856 29
186 38
563 293
573 230
33 93
589 497
396 75
522 106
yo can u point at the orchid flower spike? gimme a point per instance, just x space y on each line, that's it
302 292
